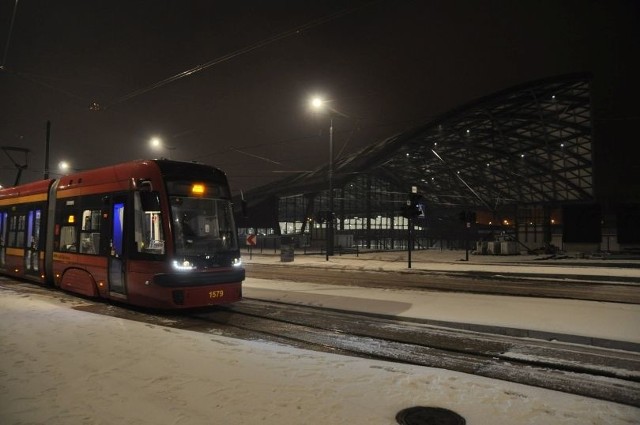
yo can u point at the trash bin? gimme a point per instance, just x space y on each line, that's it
508 248
287 249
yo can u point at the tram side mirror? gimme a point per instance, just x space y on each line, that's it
145 185
150 201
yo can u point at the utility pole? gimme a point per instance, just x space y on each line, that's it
46 151
410 241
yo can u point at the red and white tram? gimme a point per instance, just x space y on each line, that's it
152 233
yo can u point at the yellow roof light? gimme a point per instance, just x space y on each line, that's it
197 189
71 219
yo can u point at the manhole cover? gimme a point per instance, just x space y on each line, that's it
429 416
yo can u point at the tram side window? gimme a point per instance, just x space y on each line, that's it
90 232
149 236
16 231
68 241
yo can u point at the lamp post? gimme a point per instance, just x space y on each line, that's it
331 215
319 104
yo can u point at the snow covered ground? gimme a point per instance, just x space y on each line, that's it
64 366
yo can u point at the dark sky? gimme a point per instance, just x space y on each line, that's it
387 64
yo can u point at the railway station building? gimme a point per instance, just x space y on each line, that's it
507 173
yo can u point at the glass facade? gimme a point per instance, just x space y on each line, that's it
498 168
367 212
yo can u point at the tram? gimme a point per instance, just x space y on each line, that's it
150 233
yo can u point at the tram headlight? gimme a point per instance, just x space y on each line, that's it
184 265
236 262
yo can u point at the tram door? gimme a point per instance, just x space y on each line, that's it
31 252
3 239
116 256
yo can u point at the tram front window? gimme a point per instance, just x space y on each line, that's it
149 236
202 226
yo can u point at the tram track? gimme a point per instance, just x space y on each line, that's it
593 372
547 286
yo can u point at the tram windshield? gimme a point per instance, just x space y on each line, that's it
202 225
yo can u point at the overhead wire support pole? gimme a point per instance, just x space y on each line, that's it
6 46
46 151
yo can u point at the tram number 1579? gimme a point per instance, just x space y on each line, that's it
216 294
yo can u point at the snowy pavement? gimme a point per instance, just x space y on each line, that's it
64 366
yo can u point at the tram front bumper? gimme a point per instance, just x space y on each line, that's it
199 289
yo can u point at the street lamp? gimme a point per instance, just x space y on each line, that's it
156 143
64 167
319 104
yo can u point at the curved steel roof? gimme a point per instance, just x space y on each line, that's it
530 144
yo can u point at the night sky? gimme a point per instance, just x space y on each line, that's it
388 65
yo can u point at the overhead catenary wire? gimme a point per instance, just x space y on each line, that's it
234 54
263 158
